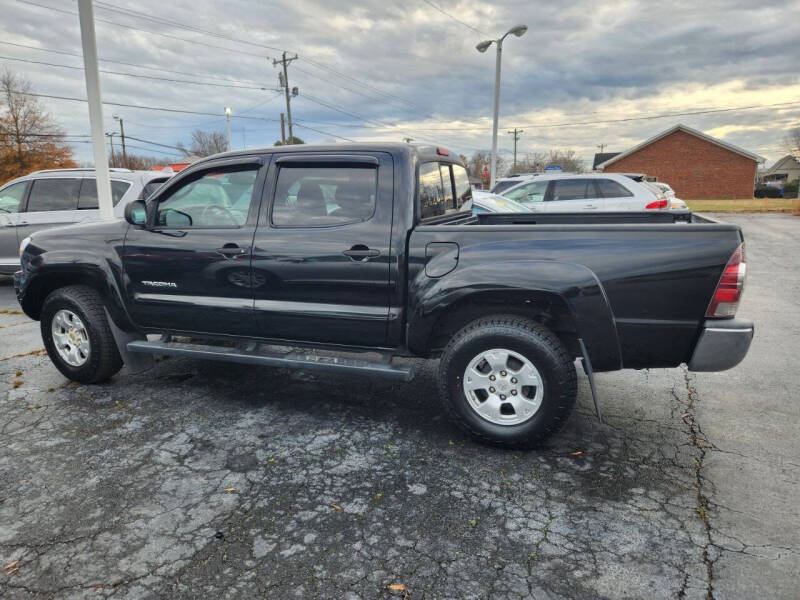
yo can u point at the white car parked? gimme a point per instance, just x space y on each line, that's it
58 197
586 192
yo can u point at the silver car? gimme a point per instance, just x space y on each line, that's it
58 197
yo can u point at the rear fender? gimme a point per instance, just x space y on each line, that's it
575 285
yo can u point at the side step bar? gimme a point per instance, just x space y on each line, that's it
291 360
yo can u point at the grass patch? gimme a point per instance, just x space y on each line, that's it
768 205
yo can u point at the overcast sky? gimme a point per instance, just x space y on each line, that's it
389 69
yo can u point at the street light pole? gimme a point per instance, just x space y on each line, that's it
228 112
519 31
92 73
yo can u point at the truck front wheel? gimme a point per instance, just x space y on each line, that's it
77 336
507 381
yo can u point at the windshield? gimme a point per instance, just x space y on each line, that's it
504 185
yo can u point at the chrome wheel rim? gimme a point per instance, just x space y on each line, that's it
70 338
503 387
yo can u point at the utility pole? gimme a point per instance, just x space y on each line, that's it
283 130
122 135
515 133
92 73
283 78
111 139
602 147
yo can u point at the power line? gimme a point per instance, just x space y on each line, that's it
130 137
127 64
120 104
457 20
323 132
49 64
194 29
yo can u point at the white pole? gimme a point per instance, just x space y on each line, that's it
493 175
86 15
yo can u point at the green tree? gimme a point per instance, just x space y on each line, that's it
290 142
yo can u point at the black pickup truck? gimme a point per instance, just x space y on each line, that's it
356 254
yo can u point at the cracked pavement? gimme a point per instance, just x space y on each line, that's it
199 479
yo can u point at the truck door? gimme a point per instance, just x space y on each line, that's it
189 269
321 253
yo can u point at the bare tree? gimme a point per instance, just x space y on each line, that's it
136 162
483 158
567 159
30 138
792 141
532 162
205 143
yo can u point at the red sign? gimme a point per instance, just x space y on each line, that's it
485 173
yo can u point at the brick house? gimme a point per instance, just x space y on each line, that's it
696 165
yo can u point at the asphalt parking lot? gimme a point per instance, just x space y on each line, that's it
200 479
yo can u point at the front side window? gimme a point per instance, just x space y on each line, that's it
463 189
611 189
528 193
572 189
54 194
88 196
324 196
214 198
11 196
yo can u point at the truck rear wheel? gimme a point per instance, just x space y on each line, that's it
77 336
507 381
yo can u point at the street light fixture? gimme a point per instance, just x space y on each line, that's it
519 31
228 111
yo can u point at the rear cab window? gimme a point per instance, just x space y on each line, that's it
443 188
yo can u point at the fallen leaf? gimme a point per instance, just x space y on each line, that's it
473 522
12 571
230 489
11 565
336 507
576 453
396 587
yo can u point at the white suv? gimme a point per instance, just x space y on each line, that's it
585 192
59 197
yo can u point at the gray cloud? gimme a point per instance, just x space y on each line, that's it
579 61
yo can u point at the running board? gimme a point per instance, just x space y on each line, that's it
291 360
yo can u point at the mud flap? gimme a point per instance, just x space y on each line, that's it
587 366
135 361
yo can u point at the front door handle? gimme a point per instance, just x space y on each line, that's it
590 206
232 250
360 252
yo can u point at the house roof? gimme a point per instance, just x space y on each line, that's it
784 163
690 131
602 157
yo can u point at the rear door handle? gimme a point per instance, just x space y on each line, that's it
232 250
590 206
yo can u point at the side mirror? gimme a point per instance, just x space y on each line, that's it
136 213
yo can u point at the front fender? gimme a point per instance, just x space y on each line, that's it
42 272
575 285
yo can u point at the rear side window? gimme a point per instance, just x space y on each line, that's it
324 196
436 191
88 196
53 194
463 189
504 185
572 189
611 189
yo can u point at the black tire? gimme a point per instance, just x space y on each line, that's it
536 344
103 359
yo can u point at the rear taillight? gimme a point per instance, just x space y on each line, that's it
660 203
729 289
